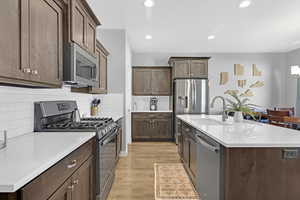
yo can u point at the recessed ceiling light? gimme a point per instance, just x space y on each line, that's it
148 37
149 3
245 3
211 37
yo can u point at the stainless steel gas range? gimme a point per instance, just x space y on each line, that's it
63 116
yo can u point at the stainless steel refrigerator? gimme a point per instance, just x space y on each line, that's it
191 96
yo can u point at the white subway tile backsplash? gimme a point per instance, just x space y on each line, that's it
141 103
17 105
111 105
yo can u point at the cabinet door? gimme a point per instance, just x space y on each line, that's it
13 38
162 128
161 81
78 23
186 150
142 81
182 69
141 129
199 69
103 71
90 35
64 192
193 158
84 182
46 41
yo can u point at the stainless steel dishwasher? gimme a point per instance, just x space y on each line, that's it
209 181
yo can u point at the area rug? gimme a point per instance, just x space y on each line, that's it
172 183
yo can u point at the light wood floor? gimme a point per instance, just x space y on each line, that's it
135 173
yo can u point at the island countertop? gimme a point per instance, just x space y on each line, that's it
29 155
245 134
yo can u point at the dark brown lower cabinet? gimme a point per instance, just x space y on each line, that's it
72 178
189 151
83 182
193 157
64 192
152 126
185 150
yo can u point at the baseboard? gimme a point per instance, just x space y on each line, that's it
123 154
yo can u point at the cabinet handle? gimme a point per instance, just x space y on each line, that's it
76 182
71 187
72 165
34 72
27 70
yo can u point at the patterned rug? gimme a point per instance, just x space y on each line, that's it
172 183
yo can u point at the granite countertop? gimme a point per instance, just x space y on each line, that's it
29 155
244 134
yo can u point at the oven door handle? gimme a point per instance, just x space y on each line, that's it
110 138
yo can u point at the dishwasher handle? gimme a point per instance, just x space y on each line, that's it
207 145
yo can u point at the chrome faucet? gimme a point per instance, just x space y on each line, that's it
224 114
4 142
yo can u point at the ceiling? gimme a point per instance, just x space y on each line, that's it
183 26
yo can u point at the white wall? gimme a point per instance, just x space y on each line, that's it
114 40
127 99
292 58
272 65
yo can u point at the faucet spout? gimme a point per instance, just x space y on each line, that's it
224 114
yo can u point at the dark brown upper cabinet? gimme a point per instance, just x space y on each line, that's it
189 67
33 53
151 81
83 25
102 56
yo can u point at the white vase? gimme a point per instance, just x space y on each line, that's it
238 116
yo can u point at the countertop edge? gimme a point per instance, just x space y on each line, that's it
209 135
13 187
241 145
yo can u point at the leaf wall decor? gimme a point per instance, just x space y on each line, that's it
256 71
247 93
224 78
238 70
257 84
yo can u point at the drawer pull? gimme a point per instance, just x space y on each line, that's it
71 187
76 182
73 164
27 70
34 72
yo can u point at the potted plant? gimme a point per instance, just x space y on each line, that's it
239 106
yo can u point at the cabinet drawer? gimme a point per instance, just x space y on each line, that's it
49 181
151 115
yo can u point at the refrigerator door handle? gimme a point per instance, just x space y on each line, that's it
194 94
186 101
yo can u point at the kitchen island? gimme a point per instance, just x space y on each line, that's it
234 161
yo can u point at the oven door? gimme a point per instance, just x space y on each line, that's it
107 160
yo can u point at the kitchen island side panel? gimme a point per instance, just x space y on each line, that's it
261 174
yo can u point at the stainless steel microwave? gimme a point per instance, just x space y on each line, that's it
80 67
